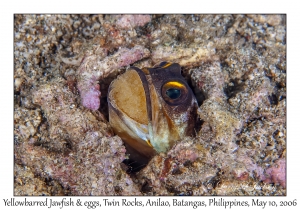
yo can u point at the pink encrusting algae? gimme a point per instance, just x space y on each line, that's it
277 173
92 69
131 21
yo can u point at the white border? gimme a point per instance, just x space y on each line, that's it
153 6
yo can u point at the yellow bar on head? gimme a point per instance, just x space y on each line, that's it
166 65
176 84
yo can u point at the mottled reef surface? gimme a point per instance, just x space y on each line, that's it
63 65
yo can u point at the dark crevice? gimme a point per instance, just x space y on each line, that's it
214 181
280 85
199 94
176 192
133 166
255 119
146 188
176 171
232 90
273 99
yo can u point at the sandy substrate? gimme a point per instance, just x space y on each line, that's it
63 65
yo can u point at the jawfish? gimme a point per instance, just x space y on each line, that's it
151 109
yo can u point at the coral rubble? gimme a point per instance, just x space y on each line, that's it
63 65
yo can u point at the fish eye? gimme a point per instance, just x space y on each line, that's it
174 92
